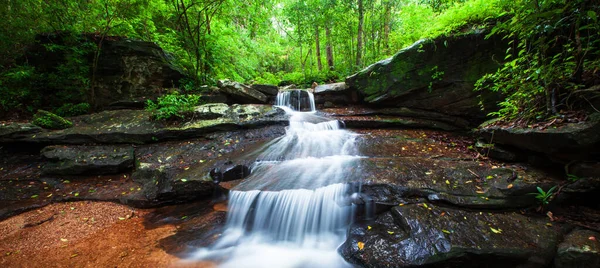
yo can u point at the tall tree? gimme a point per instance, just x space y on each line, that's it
359 37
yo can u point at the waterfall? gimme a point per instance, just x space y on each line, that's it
293 209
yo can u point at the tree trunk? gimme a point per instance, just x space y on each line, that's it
359 41
318 48
328 47
387 20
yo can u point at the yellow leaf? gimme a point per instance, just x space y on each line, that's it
401 204
480 192
64 239
368 227
549 224
390 232
446 231
496 231
361 245
448 182
425 205
509 186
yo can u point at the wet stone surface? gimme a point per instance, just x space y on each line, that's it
422 235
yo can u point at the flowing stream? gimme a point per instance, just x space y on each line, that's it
293 209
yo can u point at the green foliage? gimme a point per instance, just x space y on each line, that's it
70 109
553 44
49 120
173 106
544 197
65 79
572 177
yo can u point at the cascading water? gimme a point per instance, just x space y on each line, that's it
293 209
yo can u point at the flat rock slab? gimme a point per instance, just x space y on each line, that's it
461 183
75 160
572 140
431 236
580 248
135 126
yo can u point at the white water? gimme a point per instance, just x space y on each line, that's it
292 210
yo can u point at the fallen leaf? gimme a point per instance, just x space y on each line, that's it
34 196
425 205
509 186
183 180
593 238
480 192
389 232
121 218
361 245
368 227
448 182
549 224
64 239
442 214
446 231
74 255
496 231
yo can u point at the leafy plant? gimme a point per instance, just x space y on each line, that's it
572 177
173 106
70 109
552 44
544 197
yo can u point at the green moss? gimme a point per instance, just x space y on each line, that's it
49 120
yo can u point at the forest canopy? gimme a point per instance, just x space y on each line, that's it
554 42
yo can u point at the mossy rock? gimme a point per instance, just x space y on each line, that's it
49 120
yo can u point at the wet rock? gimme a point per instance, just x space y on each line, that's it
397 117
17 131
499 152
230 173
75 160
459 183
395 122
269 90
580 248
135 126
336 94
572 141
164 185
436 75
432 236
241 93
585 169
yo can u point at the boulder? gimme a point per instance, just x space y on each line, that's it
269 90
331 88
431 236
76 160
580 248
571 141
162 184
127 69
436 75
241 93
335 95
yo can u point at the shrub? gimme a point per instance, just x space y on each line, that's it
172 106
70 109
49 120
